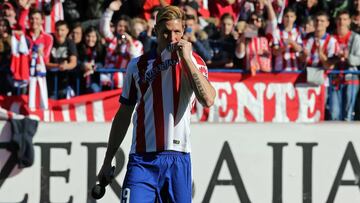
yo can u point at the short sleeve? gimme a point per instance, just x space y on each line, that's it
200 64
72 48
129 90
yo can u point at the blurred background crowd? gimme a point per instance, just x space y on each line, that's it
73 47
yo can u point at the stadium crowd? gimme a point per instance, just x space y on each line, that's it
67 46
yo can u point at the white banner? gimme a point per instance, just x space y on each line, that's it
259 163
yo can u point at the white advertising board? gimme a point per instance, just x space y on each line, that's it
258 163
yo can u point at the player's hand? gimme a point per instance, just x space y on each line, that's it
104 175
128 37
184 49
88 69
26 3
343 54
290 42
63 66
115 5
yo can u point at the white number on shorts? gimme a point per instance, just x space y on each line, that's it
125 195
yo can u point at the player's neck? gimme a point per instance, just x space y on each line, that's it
36 33
61 40
320 33
342 31
288 27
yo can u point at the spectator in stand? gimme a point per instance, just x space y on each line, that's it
223 44
306 8
191 8
9 12
197 37
239 32
35 34
91 55
355 22
253 50
266 27
122 46
307 28
76 33
320 48
139 29
286 49
219 8
64 58
258 21
40 44
6 79
52 10
345 87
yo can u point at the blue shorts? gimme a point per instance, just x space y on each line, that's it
158 177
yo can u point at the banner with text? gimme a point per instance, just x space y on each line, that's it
240 98
259 163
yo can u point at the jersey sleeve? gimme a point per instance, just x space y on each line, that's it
104 25
200 64
129 90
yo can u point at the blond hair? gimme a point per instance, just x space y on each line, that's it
170 13
138 20
135 21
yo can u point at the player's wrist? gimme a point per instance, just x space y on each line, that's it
107 161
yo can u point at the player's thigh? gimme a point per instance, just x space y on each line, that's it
139 183
136 193
180 181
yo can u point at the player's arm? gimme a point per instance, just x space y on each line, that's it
105 19
204 91
118 130
24 12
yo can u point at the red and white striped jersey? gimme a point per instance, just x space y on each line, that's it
287 61
258 54
117 55
163 94
328 44
120 58
114 59
56 14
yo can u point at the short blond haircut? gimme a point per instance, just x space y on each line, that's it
135 21
170 13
